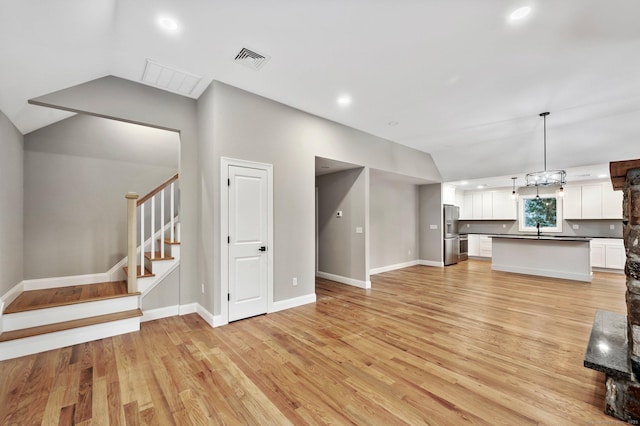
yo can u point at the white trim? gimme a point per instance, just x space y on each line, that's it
165 312
388 268
55 314
57 282
1 311
344 280
224 230
44 342
190 308
205 315
11 295
593 269
281 305
544 273
219 321
435 263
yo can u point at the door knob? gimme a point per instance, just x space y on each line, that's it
263 248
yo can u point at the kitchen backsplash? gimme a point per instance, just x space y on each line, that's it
587 228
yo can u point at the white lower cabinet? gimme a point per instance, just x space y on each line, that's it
479 245
608 253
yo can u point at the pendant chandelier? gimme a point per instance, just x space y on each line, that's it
546 177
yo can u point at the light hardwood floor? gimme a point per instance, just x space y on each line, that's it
459 345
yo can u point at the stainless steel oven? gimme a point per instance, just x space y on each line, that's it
464 247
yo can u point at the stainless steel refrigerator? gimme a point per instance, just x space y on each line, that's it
451 237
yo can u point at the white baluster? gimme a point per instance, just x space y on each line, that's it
172 215
153 225
162 224
142 239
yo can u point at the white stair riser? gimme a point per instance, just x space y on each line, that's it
35 318
60 339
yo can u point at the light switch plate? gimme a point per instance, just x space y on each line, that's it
433 226
358 229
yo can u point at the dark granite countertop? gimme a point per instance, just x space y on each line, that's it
542 237
607 348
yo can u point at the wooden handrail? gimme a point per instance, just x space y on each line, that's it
158 189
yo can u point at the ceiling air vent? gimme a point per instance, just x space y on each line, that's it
168 78
251 59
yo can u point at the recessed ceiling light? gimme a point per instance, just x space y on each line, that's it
603 175
520 13
344 100
393 123
464 182
168 24
480 186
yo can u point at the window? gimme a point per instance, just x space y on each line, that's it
546 211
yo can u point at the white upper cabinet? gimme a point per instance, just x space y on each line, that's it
504 206
448 194
611 202
572 202
488 205
592 201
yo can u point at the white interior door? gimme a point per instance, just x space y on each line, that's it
248 236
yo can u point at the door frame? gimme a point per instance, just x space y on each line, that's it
224 231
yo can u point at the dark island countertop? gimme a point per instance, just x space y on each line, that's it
542 237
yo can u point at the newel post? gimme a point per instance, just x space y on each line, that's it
132 226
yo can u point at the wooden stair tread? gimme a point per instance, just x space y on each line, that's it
147 273
171 242
31 300
67 325
167 256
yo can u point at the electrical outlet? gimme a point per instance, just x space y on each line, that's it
575 226
612 227
409 252
504 225
202 287
468 225
358 229
295 281
433 226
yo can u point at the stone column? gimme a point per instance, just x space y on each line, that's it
625 176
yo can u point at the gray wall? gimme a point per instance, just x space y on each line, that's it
229 122
394 221
237 124
11 205
341 250
77 172
430 242
166 293
128 101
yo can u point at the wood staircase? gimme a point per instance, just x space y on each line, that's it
50 318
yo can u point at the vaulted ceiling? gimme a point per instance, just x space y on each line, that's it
456 79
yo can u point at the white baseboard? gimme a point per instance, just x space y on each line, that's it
45 342
609 270
11 295
190 308
219 321
388 268
281 305
56 282
344 280
584 277
154 314
204 314
437 264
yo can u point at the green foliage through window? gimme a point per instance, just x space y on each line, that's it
540 210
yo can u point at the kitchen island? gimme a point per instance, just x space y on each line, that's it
558 257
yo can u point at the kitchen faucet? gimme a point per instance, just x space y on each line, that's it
538 226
